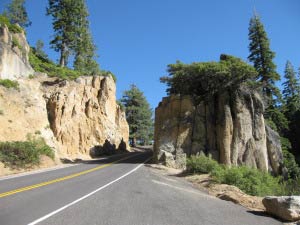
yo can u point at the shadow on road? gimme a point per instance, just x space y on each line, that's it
136 155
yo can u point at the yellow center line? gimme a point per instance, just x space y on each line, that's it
8 193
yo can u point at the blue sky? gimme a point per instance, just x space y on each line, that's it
137 39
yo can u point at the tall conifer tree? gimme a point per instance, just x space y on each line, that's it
85 48
138 115
16 13
291 90
62 14
72 34
262 58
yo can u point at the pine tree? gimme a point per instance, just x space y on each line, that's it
17 14
62 13
85 48
262 58
138 115
72 34
291 94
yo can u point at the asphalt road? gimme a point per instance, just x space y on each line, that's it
126 193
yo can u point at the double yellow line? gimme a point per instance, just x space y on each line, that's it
12 192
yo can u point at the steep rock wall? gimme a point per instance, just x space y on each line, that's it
72 116
230 127
14 52
84 113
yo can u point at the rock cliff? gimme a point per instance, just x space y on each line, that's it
72 116
84 114
14 51
230 127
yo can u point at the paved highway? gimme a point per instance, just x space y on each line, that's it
112 192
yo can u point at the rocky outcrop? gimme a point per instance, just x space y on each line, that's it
230 127
14 52
84 114
283 207
72 116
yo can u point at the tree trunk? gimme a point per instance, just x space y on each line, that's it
62 60
132 142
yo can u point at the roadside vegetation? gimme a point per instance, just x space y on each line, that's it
251 181
24 154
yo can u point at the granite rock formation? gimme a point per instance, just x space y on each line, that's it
230 128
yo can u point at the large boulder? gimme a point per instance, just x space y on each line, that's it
230 127
284 207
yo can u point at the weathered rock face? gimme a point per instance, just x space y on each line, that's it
284 207
230 128
72 116
14 51
84 113
24 112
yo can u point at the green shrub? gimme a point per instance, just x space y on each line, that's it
21 154
45 65
249 180
42 64
1 112
9 83
202 164
15 43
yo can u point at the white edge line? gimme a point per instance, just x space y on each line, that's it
86 196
